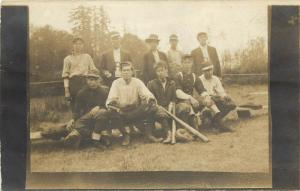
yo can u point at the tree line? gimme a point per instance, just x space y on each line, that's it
48 46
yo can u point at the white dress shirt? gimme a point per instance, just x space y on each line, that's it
127 94
205 52
213 86
156 56
117 59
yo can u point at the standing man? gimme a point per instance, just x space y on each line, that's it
110 62
203 54
130 102
214 94
174 57
163 89
75 67
151 58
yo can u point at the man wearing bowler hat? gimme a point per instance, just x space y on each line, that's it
205 53
151 58
174 56
110 62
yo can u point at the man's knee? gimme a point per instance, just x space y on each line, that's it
183 108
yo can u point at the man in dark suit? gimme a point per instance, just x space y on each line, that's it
110 62
204 54
151 58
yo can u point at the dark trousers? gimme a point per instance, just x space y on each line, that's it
184 108
55 132
75 84
224 105
87 124
141 116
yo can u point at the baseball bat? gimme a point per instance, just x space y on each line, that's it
186 126
173 138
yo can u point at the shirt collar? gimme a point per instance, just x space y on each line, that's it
203 47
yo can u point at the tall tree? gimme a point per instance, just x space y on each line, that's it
48 48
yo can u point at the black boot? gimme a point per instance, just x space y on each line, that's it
126 139
148 133
72 140
218 124
105 140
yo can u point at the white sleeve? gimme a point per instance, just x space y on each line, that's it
66 68
181 95
219 88
113 93
144 92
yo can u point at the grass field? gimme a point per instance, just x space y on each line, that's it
245 150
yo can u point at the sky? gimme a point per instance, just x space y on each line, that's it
229 24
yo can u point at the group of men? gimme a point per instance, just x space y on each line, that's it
111 97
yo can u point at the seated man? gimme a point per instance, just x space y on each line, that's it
164 91
130 102
89 103
214 94
187 106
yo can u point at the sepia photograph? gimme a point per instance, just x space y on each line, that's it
138 86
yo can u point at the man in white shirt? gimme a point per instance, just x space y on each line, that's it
174 57
130 102
214 94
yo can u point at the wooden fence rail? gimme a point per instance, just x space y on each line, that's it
55 88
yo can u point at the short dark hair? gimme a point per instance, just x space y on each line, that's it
160 64
123 64
200 34
76 39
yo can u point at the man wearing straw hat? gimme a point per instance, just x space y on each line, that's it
110 62
151 58
214 94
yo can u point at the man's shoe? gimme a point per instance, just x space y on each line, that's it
72 140
215 130
169 138
105 140
224 128
126 140
99 145
153 139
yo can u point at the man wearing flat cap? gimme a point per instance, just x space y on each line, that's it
129 102
90 100
203 54
174 56
151 58
215 95
186 81
75 67
110 62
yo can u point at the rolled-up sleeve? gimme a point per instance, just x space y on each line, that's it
219 88
66 68
144 92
